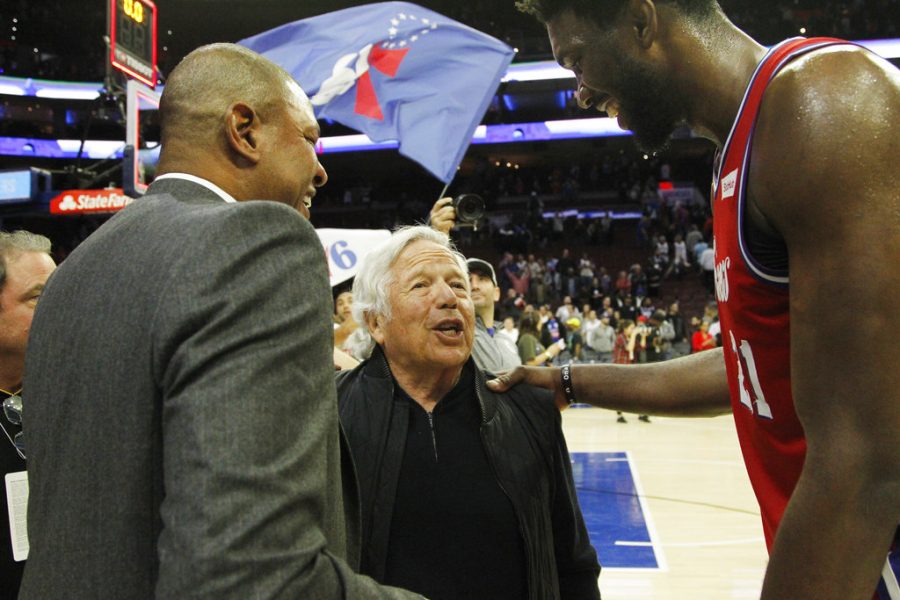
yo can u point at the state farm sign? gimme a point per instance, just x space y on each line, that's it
74 202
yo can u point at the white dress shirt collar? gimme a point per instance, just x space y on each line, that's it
200 181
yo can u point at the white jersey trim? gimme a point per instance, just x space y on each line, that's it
737 117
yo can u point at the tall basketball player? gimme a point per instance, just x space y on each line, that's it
806 206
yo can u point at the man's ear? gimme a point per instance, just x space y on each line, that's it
242 131
496 294
643 15
375 324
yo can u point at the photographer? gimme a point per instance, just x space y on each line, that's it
466 208
443 215
660 339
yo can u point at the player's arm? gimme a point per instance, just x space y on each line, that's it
693 385
824 171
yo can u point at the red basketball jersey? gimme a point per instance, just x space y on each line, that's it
753 311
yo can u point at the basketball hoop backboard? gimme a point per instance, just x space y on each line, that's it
141 138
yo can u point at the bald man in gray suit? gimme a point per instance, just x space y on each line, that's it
180 415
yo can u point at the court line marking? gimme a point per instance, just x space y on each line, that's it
755 540
696 461
648 518
625 571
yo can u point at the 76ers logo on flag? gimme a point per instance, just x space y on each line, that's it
394 71
385 57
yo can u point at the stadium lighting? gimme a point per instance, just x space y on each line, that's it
528 71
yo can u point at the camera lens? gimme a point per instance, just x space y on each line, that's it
469 207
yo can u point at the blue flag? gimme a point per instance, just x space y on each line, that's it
394 71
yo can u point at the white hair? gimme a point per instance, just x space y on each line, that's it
359 344
374 278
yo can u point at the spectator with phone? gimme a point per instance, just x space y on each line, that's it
531 351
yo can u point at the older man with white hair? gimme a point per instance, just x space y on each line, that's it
465 493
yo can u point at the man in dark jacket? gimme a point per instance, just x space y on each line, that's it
464 493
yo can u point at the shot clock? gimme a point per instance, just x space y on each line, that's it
132 39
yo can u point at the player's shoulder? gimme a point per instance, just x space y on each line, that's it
824 133
834 62
819 105
829 86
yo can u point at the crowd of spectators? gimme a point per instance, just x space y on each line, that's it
604 313
522 199
559 278
624 176
671 232
770 22
567 309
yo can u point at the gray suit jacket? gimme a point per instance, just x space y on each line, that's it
181 421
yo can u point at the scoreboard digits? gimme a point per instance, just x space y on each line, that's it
132 33
133 9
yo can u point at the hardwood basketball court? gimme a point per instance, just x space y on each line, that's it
669 506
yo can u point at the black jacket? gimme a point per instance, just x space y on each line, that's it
522 437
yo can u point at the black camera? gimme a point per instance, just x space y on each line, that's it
469 208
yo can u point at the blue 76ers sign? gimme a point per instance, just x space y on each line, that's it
345 249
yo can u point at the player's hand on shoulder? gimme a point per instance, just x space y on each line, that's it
544 377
